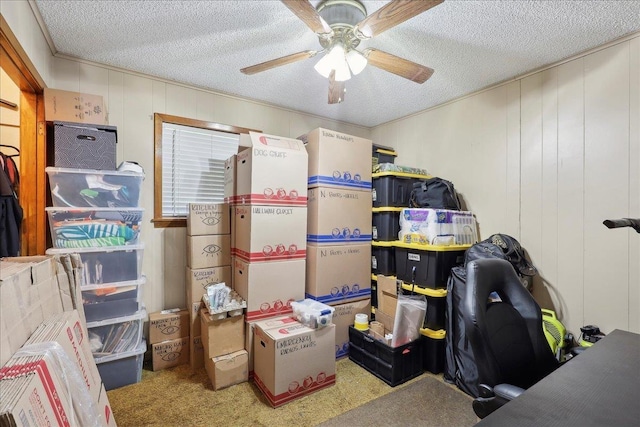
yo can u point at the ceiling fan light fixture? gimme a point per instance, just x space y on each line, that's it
356 61
324 66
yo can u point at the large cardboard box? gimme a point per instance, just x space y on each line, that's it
387 294
196 352
293 361
338 274
168 325
208 218
272 172
338 216
29 294
222 336
208 251
167 354
271 322
228 369
199 279
345 316
270 233
269 287
62 105
230 179
338 160
40 397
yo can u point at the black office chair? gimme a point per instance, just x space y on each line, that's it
506 336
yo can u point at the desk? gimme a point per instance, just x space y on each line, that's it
600 387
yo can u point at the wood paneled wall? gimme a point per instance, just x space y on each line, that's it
546 159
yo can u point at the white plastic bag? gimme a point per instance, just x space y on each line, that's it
410 314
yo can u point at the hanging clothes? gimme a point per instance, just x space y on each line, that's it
10 210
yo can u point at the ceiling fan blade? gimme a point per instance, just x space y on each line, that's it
267 65
399 66
308 14
336 89
393 13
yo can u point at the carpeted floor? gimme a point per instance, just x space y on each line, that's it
181 397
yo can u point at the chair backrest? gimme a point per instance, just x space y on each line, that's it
506 336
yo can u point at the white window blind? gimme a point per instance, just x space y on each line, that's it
193 166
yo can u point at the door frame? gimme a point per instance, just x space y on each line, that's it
15 62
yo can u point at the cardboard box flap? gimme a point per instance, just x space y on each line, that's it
277 143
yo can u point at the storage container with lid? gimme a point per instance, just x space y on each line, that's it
101 302
121 369
116 335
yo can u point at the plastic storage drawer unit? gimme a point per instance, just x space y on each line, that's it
99 227
433 349
427 265
117 335
383 258
386 223
393 188
101 302
436 304
392 365
106 265
119 370
94 188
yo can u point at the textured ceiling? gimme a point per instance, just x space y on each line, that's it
470 44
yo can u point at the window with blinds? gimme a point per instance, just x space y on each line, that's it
193 166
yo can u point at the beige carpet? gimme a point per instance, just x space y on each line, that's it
180 397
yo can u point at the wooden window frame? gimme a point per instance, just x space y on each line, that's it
159 221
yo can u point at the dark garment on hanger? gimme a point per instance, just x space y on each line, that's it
10 218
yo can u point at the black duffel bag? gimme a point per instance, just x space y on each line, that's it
434 193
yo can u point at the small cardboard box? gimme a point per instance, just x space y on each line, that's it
272 172
345 316
208 218
167 354
199 279
387 294
62 105
228 369
208 251
293 361
269 287
222 336
338 274
196 352
270 233
338 160
168 325
272 322
338 216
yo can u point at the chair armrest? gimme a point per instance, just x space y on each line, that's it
507 391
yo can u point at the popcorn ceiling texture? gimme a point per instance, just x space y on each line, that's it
470 44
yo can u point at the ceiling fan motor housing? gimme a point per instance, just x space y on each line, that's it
342 16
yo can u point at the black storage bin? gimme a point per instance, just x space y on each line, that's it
374 291
436 304
433 350
392 365
386 223
81 146
393 188
432 263
383 154
383 260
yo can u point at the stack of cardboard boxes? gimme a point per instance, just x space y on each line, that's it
208 263
339 227
169 338
269 197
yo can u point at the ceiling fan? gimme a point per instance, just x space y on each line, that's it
340 26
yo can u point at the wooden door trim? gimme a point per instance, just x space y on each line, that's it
15 62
